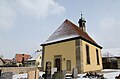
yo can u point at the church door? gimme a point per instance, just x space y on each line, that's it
58 62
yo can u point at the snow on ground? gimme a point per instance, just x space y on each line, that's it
108 73
111 70
111 75
18 76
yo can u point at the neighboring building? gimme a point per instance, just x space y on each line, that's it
70 46
111 58
5 62
35 60
8 62
2 62
118 61
21 58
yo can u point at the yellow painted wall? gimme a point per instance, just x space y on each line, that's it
39 60
93 59
34 74
66 49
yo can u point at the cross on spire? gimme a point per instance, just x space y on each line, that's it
81 14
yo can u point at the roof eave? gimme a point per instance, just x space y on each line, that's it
79 37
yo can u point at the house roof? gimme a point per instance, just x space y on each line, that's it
7 60
35 56
69 30
19 57
2 60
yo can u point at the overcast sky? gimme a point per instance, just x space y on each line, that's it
25 24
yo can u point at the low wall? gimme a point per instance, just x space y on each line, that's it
17 70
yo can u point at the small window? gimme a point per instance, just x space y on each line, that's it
68 65
30 63
40 57
97 55
33 63
87 55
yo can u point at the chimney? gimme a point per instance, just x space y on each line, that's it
82 23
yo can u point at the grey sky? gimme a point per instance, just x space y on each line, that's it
25 24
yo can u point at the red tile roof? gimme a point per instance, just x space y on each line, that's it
19 57
81 32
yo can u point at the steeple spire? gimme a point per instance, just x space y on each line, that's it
81 14
82 23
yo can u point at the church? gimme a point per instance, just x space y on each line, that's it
70 47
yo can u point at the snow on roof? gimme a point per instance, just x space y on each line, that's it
35 55
66 31
62 38
113 52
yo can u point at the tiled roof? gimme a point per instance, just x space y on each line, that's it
19 57
69 30
81 32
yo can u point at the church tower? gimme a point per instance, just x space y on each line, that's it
82 23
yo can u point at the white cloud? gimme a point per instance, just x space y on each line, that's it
32 8
40 8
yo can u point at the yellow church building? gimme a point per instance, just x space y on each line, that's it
71 47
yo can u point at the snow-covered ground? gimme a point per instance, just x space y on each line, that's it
111 73
18 76
108 73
